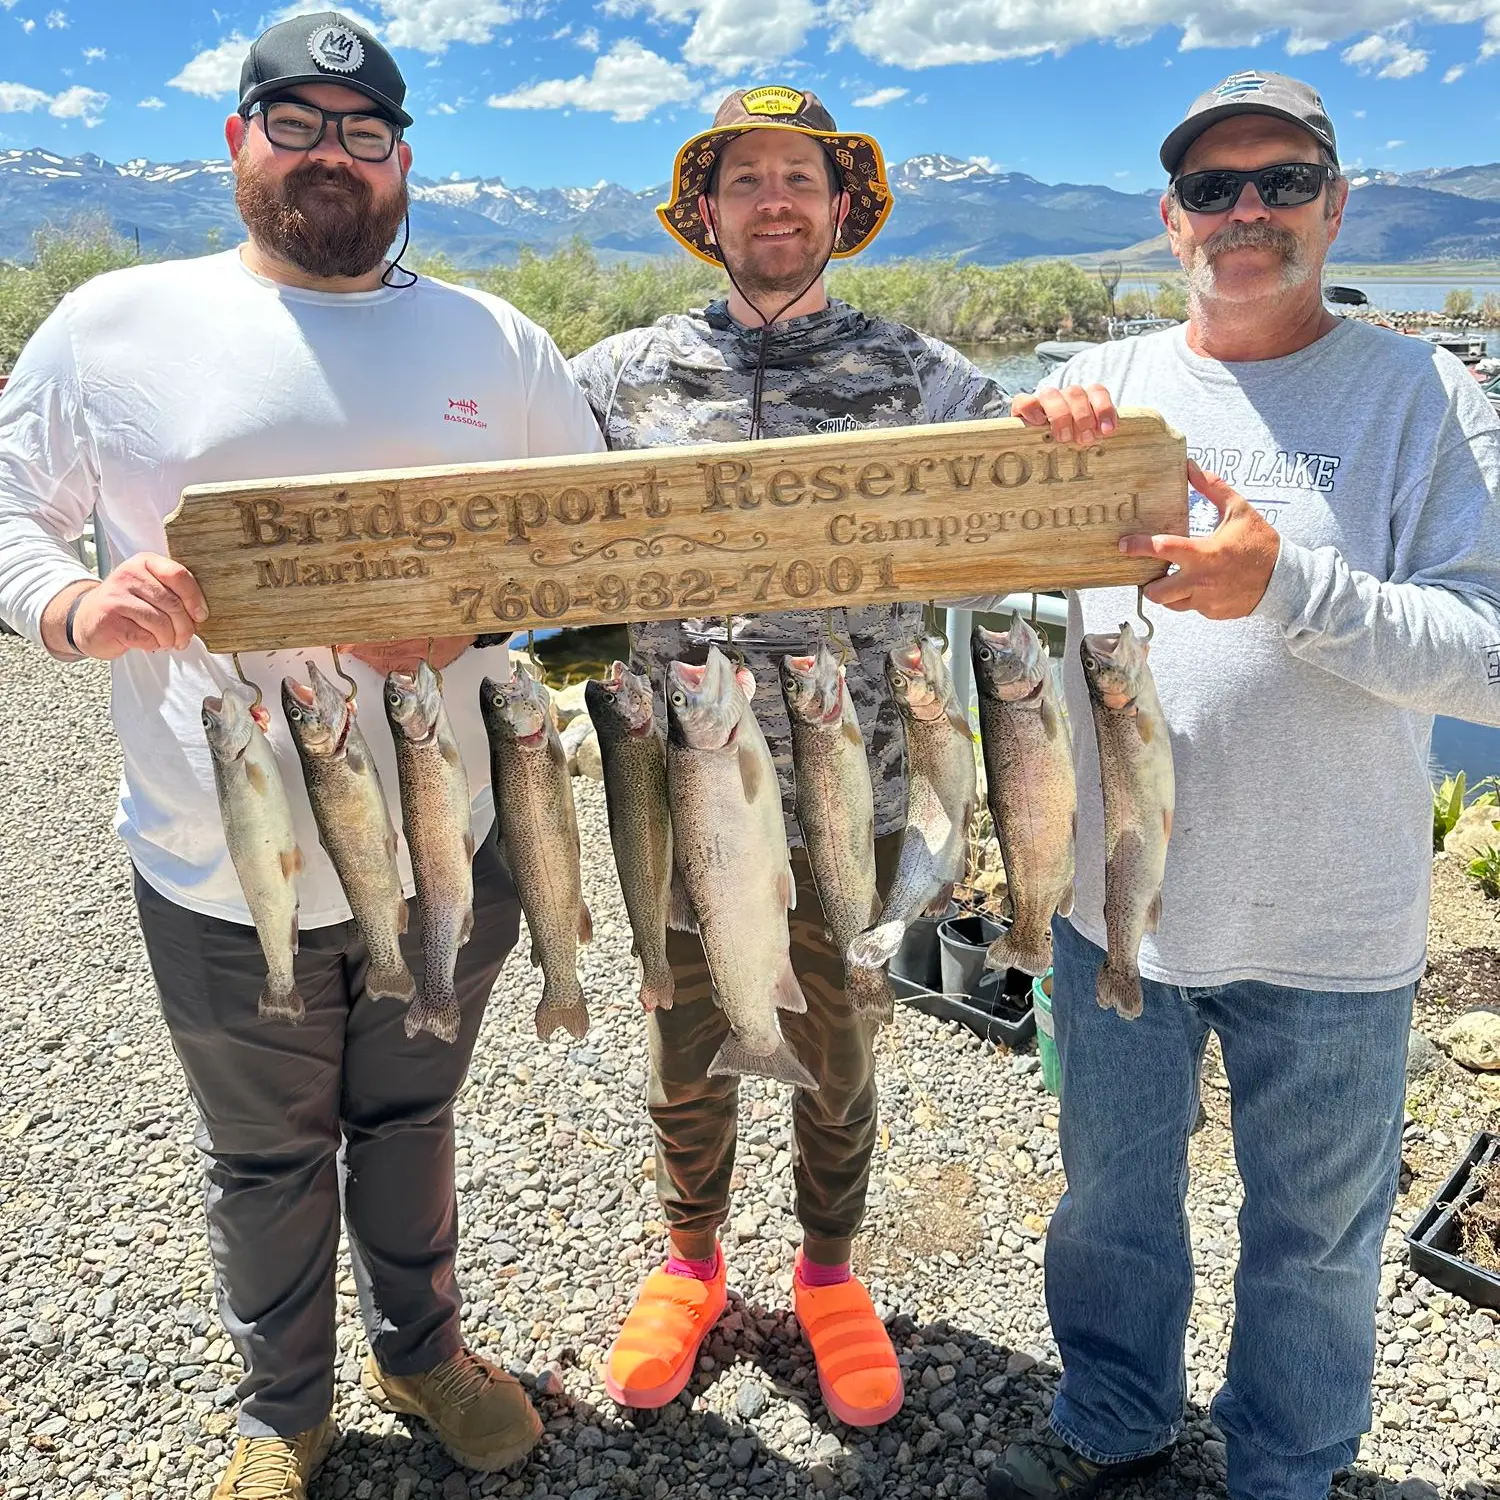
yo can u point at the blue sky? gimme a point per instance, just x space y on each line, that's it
565 92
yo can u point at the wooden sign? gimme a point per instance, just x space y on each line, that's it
854 518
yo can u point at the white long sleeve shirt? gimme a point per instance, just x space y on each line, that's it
190 372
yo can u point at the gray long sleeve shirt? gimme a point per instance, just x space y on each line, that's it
1301 849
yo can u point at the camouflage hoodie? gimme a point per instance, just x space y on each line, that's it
689 379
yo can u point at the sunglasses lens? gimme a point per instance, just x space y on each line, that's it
1208 192
1290 185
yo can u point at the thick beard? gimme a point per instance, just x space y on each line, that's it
329 234
767 294
1202 277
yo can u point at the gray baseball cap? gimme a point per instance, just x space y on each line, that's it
1250 93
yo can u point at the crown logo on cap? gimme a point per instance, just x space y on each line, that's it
336 49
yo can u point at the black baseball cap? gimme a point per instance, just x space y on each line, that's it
1251 93
322 48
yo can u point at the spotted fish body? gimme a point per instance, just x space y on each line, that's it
436 817
1135 769
354 823
262 845
633 749
942 792
1028 762
836 813
730 848
534 808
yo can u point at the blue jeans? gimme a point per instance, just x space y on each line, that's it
1316 1085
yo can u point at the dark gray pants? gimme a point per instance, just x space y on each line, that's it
293 1117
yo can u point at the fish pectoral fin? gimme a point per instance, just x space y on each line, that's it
469 846
786 889
787 994
296 933
585 923
449 752
1145 728
1065 901
939 903
256 777
1051 723
1166 821
751 776
680 914
852 734
291 862
403 915
1153 912
467 930
961 723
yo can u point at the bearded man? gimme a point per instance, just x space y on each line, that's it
301 352
1340 586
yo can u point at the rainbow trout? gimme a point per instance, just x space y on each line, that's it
942 790
435 814
262 845
534 808
729 844
633 750
1028 763
836 813
1135 769
354 823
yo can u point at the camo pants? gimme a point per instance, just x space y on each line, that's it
695 1116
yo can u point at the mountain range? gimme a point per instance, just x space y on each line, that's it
944 207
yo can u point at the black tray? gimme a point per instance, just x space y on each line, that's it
1005 1018
1433 1241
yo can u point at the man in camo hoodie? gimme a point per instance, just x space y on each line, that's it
771 192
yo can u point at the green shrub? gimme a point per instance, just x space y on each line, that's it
1459 302
1447 806
1484 871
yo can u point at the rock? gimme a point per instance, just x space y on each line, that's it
741 1452
1422 1055
586 760
750 1400
1417 1489
1474 1040
1474 832
568 703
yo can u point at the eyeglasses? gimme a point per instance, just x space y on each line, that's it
1287 185
295 126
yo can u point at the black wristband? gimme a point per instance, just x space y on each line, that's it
73 645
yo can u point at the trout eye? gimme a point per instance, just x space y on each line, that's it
394 699
985 654
208 720
1090 663
679 699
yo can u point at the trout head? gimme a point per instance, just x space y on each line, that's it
919 681
813 687
1112 666
1008 664
705 704
413 704
620 704
227 724
516 710
319 715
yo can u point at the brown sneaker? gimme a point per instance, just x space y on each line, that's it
276 1468
479 1413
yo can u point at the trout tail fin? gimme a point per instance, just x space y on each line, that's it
657 990
869 994
438 1014
875 947
568 1012
1119 989
282 1005
781 1065
390 982
1031 953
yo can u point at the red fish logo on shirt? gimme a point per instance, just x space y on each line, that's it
465 411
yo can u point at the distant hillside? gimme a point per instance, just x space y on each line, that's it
944 207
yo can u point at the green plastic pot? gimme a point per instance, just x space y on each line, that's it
1046 1041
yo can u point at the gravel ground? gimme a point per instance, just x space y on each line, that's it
115 1380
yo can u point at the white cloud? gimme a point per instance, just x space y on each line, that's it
21 99
214 72
8 4
57 20
920 34
1394 145
79 103
588 39
987 163
27 25
880 97
94 54
1359 114
1122 174
1456 72
730 36
430 25
628 83
152 103
1386 57
442 107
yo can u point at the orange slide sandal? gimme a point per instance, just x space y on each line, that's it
857 1368
657 1348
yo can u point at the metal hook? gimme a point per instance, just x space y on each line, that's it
338 668
845 648
736 656
254 687
428 660
1041 630
1140 609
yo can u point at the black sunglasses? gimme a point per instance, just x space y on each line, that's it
295 125
1290 184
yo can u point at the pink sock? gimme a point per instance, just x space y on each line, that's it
810 1273
703 1270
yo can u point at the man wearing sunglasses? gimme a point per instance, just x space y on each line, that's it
303 351
1341 584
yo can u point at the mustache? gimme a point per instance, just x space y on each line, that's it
1252 234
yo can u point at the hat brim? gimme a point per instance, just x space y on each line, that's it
857 157
277 85
1175 147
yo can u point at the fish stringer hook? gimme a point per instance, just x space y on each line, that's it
427 659
338 668
1140 609
735 655
845 648
254 687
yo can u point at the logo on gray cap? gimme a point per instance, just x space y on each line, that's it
336 49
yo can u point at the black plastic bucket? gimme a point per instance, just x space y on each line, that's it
917 959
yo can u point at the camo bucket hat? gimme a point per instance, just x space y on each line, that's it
776 107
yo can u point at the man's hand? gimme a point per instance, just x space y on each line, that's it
1079 414
402 656
148 603
1221 576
